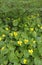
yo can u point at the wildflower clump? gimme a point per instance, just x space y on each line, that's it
20 32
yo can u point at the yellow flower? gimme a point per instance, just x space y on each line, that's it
20 43
25 61
15 33
26 41
31 29
0 38
30 51
2 48
41 27
7 29
3 35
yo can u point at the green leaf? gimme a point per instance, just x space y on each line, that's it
37 61
12 57
26 55
15 22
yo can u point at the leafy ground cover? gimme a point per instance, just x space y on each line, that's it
20 32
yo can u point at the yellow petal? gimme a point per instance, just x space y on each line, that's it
7 29
25 61
0 38
31 29
15 33
3 35
30 51
2 48
41 27
20 43
26 41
